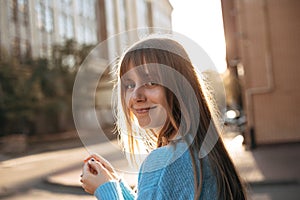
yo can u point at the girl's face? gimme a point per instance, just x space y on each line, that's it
145 98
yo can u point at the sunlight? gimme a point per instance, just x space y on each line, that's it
261 197
201 21
243 159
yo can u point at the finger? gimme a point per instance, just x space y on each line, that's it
95 156
99 159
86 169
87 159
108 166
103 161
95 165
92 170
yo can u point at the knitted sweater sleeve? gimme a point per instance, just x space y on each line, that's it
114 190
149 178
165 174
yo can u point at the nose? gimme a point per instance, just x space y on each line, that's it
138 94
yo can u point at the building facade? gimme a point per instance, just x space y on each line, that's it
263 44
123 15
32 27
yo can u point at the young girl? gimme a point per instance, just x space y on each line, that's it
162 100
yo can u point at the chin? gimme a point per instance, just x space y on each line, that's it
148 124
151 126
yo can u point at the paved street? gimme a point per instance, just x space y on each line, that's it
289 191
44 191
25 177
54 192
271 171
25 172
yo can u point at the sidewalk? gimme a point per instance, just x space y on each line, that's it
273 164
276 164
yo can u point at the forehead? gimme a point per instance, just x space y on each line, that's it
137 72
141 64
138 57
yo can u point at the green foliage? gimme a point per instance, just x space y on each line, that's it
38 89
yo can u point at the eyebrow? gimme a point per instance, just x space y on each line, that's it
127 79
142 74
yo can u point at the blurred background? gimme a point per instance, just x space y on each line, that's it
254 44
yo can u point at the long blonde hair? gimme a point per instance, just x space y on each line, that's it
156 51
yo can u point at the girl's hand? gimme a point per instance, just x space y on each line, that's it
94 174
105 164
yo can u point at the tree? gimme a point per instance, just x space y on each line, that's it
39 91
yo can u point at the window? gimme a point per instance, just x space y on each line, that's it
22 5
39 9
69 24
49 20
79 7
44 16
123 15
142 13
61 24
26 16
80 35
66 6
13 10
91 9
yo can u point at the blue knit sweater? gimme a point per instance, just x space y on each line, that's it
167 173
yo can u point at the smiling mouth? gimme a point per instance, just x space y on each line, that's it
144 110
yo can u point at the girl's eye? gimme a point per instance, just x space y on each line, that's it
129 86
149 84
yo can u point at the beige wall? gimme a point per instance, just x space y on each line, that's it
268 38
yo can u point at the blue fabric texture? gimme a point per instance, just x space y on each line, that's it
167 173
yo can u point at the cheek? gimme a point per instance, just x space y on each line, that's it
127 96
157 117
159 96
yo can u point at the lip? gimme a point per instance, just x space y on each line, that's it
143 110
